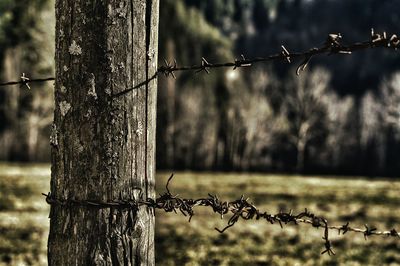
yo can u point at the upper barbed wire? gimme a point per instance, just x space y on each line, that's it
332 45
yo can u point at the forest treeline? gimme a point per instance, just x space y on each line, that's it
341 116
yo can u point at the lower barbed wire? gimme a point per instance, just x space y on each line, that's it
239 209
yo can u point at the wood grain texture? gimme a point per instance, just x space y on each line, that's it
102 148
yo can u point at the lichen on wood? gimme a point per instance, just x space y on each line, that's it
75 49
64 107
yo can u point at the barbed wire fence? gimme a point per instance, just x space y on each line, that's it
242 208
332 45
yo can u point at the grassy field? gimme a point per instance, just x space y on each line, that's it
24 222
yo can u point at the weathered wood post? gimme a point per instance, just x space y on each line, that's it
103 146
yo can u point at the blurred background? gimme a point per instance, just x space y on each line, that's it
244 120
341 117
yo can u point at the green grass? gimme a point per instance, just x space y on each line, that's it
24 222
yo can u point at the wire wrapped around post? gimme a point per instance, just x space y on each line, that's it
240 209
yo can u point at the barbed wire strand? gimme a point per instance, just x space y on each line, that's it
25 81
332 45
237 209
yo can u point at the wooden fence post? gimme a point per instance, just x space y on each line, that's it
103 147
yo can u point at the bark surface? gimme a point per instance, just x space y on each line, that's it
103 147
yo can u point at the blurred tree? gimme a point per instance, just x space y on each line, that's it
250 123
305 111
373 136
185 131
380 131
390 97
342 131
390 91
26 45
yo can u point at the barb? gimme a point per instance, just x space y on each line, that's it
25 81
241 209
332 45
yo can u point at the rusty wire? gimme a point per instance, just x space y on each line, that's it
332 45
238 209
25 81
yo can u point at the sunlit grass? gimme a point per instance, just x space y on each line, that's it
23 214
24 222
